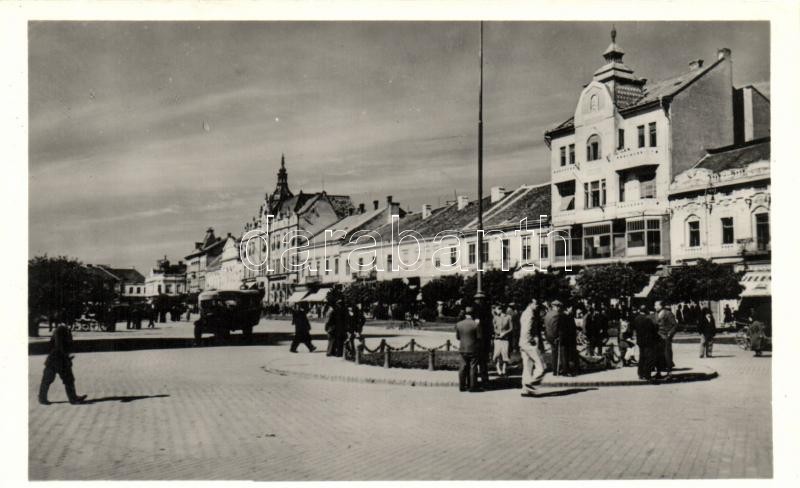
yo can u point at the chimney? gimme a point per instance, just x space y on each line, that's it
350 211
498 192
375 204
388 200
426 211
695 64
723 52
361 208
463 200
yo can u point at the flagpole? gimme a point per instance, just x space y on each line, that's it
479 288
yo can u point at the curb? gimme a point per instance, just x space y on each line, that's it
454 384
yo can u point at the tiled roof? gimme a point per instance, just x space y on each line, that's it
629 97
341 204
128 275
525 202
349 224
733 157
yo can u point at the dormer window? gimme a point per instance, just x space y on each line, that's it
593 148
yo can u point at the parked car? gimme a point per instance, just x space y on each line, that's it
222 312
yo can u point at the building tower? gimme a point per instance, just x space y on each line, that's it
282 191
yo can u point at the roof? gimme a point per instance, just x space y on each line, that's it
527 201
128 275
632 97
349 224
736 156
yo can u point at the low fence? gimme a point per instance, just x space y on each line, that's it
435 361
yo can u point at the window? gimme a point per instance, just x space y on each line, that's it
543 253
327 266
471 253
437 262
572 154
388 262
762 231
594 194
636 233
453 255
653 237
336 266
526 248
694 233
505 253
620 138
593 148
159 289
727 230
647 185
597 241
651 128
640 130
566 194
563 155
130 289
138 289
485 252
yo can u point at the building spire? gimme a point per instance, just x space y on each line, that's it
614 53
283 161
613 34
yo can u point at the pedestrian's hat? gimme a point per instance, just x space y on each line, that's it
556 302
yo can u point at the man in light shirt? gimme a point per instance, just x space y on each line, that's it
531 345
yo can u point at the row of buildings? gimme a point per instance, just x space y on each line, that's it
655 174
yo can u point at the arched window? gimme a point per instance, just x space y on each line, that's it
593 148
594 103
693 231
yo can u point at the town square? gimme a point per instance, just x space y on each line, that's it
400 251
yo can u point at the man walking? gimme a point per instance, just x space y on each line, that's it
59 362
667 327
502 336
531 346
302 330
469 335
513 313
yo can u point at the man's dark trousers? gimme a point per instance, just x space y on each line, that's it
49 376
468 372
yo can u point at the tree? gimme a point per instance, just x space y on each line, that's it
395 291
58 289
360 292
539 285
704 281
494 286
599 284
445 288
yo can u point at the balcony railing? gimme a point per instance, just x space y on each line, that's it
630 158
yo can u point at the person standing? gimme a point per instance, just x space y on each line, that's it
470 338
568 337
513 313
485 322
758 336
708 330
592 329
667 327
302 330
727 315
552 329
59 362
531 345
502 338
647 340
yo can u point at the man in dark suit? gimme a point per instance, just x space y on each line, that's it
302 330
59 362
647 340
470 338
552 328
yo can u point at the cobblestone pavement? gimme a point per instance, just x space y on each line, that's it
213 413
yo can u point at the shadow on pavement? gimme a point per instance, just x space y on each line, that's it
127 343
122 399
557 393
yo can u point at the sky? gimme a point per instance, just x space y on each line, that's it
144 134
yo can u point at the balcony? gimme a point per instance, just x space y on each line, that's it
631 158
365 274
564 173
314 276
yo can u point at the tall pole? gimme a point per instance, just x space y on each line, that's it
479 290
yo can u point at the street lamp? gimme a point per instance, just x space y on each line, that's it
479 288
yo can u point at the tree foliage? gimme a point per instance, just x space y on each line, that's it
700 282
599 284
539 285
394 291
446 288
494 285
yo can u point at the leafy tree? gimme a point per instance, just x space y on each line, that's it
494 285
360 292
395 291
445 288
539 285
334 295
703 281
58 288
599 284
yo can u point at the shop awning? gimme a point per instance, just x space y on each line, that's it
648 287
757 284
295 297
319 296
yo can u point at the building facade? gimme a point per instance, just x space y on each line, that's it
206 253
613 162
227 272
166 279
